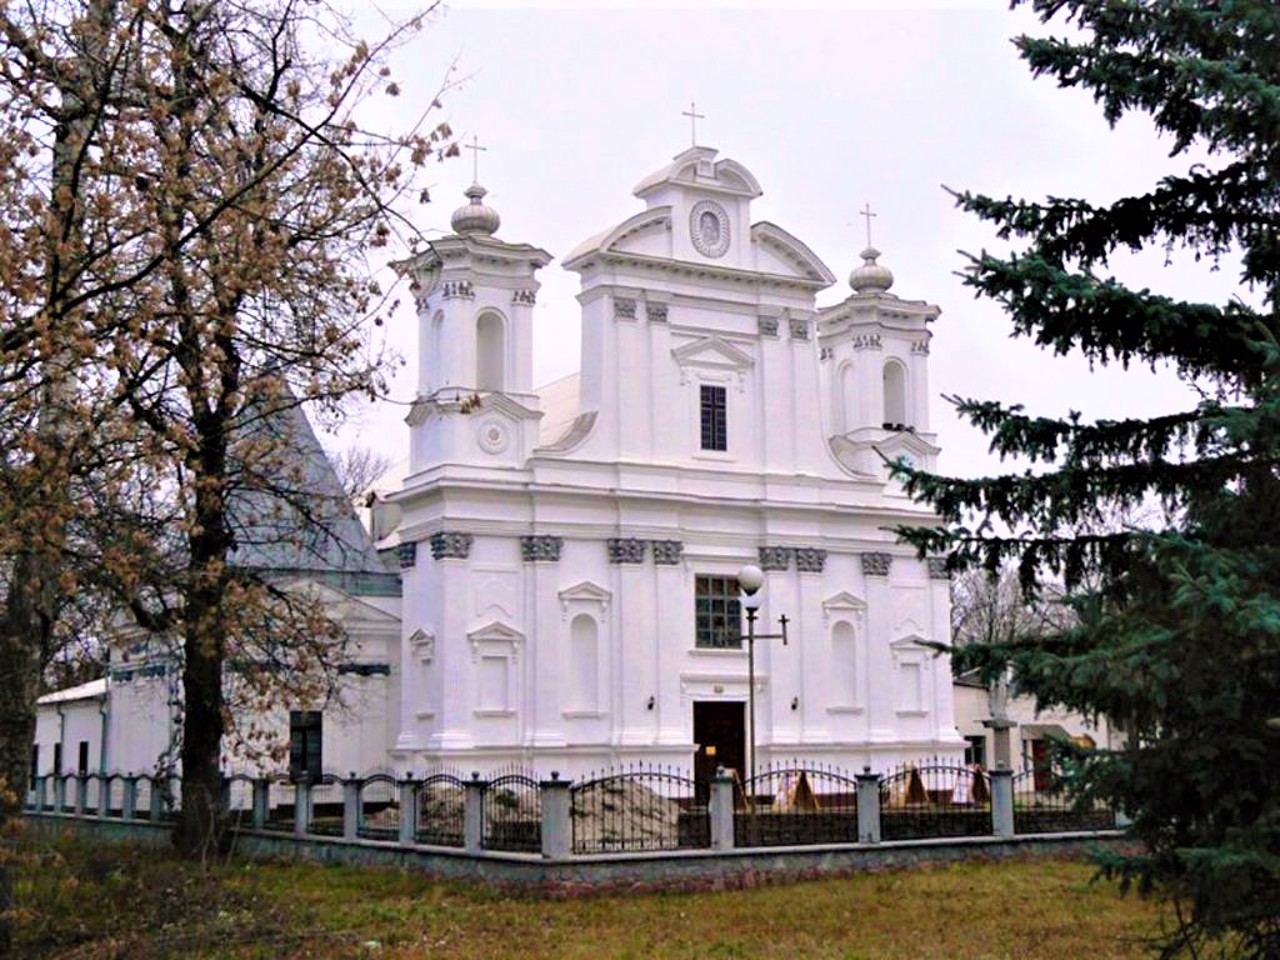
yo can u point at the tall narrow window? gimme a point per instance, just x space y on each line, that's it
35 764
305 756
82 765
57 759
717 612
490 353
715 424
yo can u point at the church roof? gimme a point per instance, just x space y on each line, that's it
559 402
85 691
291 516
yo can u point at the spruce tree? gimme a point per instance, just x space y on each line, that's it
1179 634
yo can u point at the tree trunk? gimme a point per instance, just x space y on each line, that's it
24 633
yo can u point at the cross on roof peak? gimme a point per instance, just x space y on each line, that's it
694 116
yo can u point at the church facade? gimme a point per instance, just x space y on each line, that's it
570 556
551 580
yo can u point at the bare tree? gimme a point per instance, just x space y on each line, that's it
209 221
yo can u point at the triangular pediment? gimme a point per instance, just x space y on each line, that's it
712 352
586 590
343 607
844 600
455 400
791 253
496 631
912 643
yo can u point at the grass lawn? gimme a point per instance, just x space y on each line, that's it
81 902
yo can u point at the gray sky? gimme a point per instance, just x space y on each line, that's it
830 109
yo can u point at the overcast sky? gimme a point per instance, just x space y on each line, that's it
830 109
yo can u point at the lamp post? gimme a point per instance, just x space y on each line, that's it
750 580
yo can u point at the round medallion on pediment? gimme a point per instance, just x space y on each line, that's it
709 228
493 436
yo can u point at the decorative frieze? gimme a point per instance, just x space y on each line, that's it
867 341
775 558
458 288
667 553
921 347
451 546
938 568
656 312
624 309
876 564
799 329
540 548
768 326
810 559
407 554
826 353
525 297
625 550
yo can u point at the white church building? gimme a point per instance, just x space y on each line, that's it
568 556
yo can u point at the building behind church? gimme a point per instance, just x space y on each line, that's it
568 556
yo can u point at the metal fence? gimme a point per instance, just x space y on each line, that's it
796 804
512 814
1042 804
935 799
636 808
378 808
442 802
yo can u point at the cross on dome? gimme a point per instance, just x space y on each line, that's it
476 150
866 212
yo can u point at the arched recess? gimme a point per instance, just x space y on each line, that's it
895 394
848 414
491 352
844 665
584 664
435 350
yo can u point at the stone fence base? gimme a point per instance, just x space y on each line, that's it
533 874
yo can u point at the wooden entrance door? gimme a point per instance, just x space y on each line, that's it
720 734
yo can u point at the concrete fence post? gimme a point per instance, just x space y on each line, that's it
159 787
42 789
104 796
129 802
59 793
868 806
302 806
82 794
408 810
557 818
261 802
720 810
1002 802
473 814
351 807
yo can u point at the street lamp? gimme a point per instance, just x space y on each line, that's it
750 580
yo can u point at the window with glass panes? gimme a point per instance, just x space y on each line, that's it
305 757
715 424
718 612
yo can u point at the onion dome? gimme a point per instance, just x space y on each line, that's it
871 277
475 217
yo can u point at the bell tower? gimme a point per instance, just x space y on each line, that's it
475 296
875 370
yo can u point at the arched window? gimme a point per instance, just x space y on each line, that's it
895 394
584 664
848 417
491 352
844 665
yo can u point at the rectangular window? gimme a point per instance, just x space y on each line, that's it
82 766
715 427
305 739
57 758
975 751
35 764
717 612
